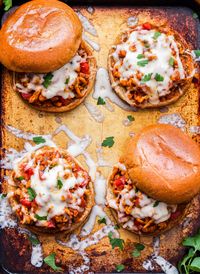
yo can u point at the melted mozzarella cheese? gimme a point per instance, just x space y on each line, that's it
162 48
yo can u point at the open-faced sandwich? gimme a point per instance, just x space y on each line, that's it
158 175
49 191
149 66
41 43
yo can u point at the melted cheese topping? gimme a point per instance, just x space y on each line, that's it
143 46
60 84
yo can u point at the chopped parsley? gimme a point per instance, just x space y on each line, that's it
67 80
47 79
3 195
140 56
120 267
108 142
116 242
50 261
40 218
146 77
39 140
171 61
138 248
142 63
156 203
20 178
102 220
197 52
34 240
7 4
156 35
159 78
101 101
130 118
59 183
31 193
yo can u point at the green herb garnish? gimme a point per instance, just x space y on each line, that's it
138 248
156 203
39 140
140 56
195 15
120 267
34 240
197 52
7 4
20 178
67 80
101 101
159 78
116 227
59 183
40 218
130 118
3 195
171 61
116 242
142 63
47 79
50 261
31 193
108 142
156 35
102 220
146 77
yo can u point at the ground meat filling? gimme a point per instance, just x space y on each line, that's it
58 88
148 64
51 189
135 210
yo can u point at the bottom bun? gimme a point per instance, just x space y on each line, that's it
49 191
135 211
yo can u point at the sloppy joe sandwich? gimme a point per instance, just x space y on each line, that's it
158 175
41 43
49 191
149 66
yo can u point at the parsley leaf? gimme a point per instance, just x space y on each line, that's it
101 101
136 253
20 178
7 4
120 267
138 248
197 52
31 193
108 142
47 79
34 240
156 35
59 183
40 218
146 77
39 140
116 242
130 118
142 63
156 203
140 56
50 261
171 61
159 78
67 80
195 15
102 220
3 195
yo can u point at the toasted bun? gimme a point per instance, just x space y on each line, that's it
40 36
177 90
62 226
164 163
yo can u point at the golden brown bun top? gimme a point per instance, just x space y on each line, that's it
40 36
164 163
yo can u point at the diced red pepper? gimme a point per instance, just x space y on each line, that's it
84 67
26 96
137 201
25 202
147 26
119 183
175 215
51 224
29 172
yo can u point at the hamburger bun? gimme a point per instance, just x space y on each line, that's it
20 200
40 36
164 163
141 98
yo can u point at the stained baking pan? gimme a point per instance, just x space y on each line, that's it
20 122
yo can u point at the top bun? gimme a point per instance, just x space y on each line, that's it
164 163
40 36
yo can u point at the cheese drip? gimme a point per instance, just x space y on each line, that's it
60 84
157 52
